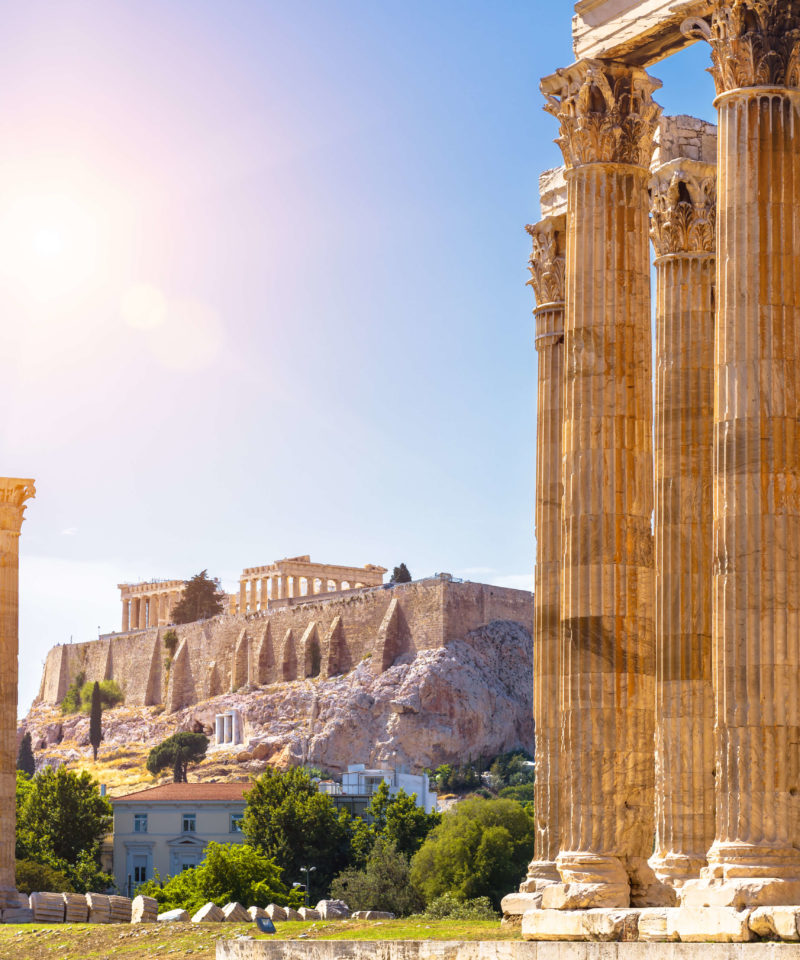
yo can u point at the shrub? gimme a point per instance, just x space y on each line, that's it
110 695
230 871
448 907
72 698
383 884
170 643
32 876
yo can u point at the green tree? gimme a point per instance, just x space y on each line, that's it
177 751
202 597
25 759
401 574
96 719
480 849
61 821
512 769
382 884
288 819
397 820
72 698
230 871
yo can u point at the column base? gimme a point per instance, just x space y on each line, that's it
541 871
648 890
586 896
740 892
674 869
9 897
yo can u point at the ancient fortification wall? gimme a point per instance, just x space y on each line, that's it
298 638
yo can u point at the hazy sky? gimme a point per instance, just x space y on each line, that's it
262 277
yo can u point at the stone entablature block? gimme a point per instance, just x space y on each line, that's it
640 32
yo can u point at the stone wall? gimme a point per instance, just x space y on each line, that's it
322 636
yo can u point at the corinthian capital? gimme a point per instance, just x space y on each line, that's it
13 494
547 263
754 43
605 111
683 207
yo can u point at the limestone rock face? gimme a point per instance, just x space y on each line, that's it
472 698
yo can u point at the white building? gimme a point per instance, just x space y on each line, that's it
167 828
359 783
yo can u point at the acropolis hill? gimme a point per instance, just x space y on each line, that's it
425 672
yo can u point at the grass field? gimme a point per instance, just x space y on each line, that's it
189 941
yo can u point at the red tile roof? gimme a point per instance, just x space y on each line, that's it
186 792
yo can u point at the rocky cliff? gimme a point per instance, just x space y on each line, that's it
470 698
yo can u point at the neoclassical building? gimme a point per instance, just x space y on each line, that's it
667 606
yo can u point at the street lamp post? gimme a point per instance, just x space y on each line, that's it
307 871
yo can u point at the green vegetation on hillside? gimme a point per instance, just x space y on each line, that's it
78 698
178 751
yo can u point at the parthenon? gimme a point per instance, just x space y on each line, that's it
667 624
150 603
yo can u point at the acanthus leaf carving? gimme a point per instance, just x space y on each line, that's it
606 112
754 43
547 262
683 208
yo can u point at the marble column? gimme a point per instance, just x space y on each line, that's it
142 613
126 615
607 120
13 494
682 229
547 268
242 596
755 857
264 593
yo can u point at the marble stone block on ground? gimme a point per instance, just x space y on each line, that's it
120 909
144 910
333 909
76 910
235 913
516 904
740 892
47 907
173 916
653 925
257 913
209 913
274 912
307 913
99 908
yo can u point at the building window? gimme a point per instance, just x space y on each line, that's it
189 822
236 822
140 823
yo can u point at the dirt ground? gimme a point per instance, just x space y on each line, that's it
193 941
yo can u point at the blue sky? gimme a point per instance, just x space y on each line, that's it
263 288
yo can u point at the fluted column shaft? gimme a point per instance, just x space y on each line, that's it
126 615
547 267
13 494
683 193
607 120
757 486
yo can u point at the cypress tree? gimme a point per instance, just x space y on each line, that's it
25 760
96 719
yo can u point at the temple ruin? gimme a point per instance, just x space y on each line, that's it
150 603
667 656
